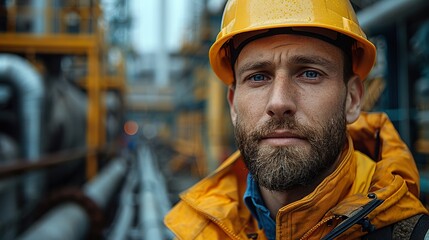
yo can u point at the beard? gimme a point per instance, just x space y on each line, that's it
281 168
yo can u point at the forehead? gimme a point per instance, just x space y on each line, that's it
294 44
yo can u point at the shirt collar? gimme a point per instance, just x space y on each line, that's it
254 202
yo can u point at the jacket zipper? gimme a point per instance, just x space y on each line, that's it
313 229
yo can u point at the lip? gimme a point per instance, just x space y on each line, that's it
282 138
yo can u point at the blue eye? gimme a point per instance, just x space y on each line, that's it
257 77
311 74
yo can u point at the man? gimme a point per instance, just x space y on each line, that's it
295 71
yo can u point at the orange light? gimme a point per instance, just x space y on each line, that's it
131 127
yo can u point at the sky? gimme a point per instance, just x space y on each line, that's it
146 15
146 27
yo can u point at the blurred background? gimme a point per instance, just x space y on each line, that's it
109 108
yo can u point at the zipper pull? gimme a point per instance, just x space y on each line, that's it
357 218
252 236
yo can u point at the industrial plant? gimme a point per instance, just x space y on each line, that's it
98 138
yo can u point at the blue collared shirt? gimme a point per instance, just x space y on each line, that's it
254 202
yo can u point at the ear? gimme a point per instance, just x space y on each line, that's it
355 91
230 95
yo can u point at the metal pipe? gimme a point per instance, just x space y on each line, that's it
69 221
153 179
24 77
387 12
122 225
162 73
38 7
19 73
102 187
153 197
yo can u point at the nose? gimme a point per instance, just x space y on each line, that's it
282 98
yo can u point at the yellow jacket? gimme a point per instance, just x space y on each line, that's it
214 207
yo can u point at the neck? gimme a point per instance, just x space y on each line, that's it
274 200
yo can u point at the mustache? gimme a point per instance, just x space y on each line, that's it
289 124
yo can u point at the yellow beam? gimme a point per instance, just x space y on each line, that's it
94 110
58 43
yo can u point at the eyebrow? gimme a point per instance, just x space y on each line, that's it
297 60
313 59
253 65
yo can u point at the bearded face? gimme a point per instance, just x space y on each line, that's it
280 168
290 104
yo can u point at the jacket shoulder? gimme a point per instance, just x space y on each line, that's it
212 208
186 223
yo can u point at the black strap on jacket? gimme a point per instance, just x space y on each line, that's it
359 217
414 228
421 230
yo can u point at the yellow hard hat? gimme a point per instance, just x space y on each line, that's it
244 16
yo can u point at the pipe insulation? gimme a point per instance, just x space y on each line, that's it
69 221
154 201
122 227
26 81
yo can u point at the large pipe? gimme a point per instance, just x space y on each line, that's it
39 7
69 221
154 202
28 83
162 58
19 73
122 226
387 12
